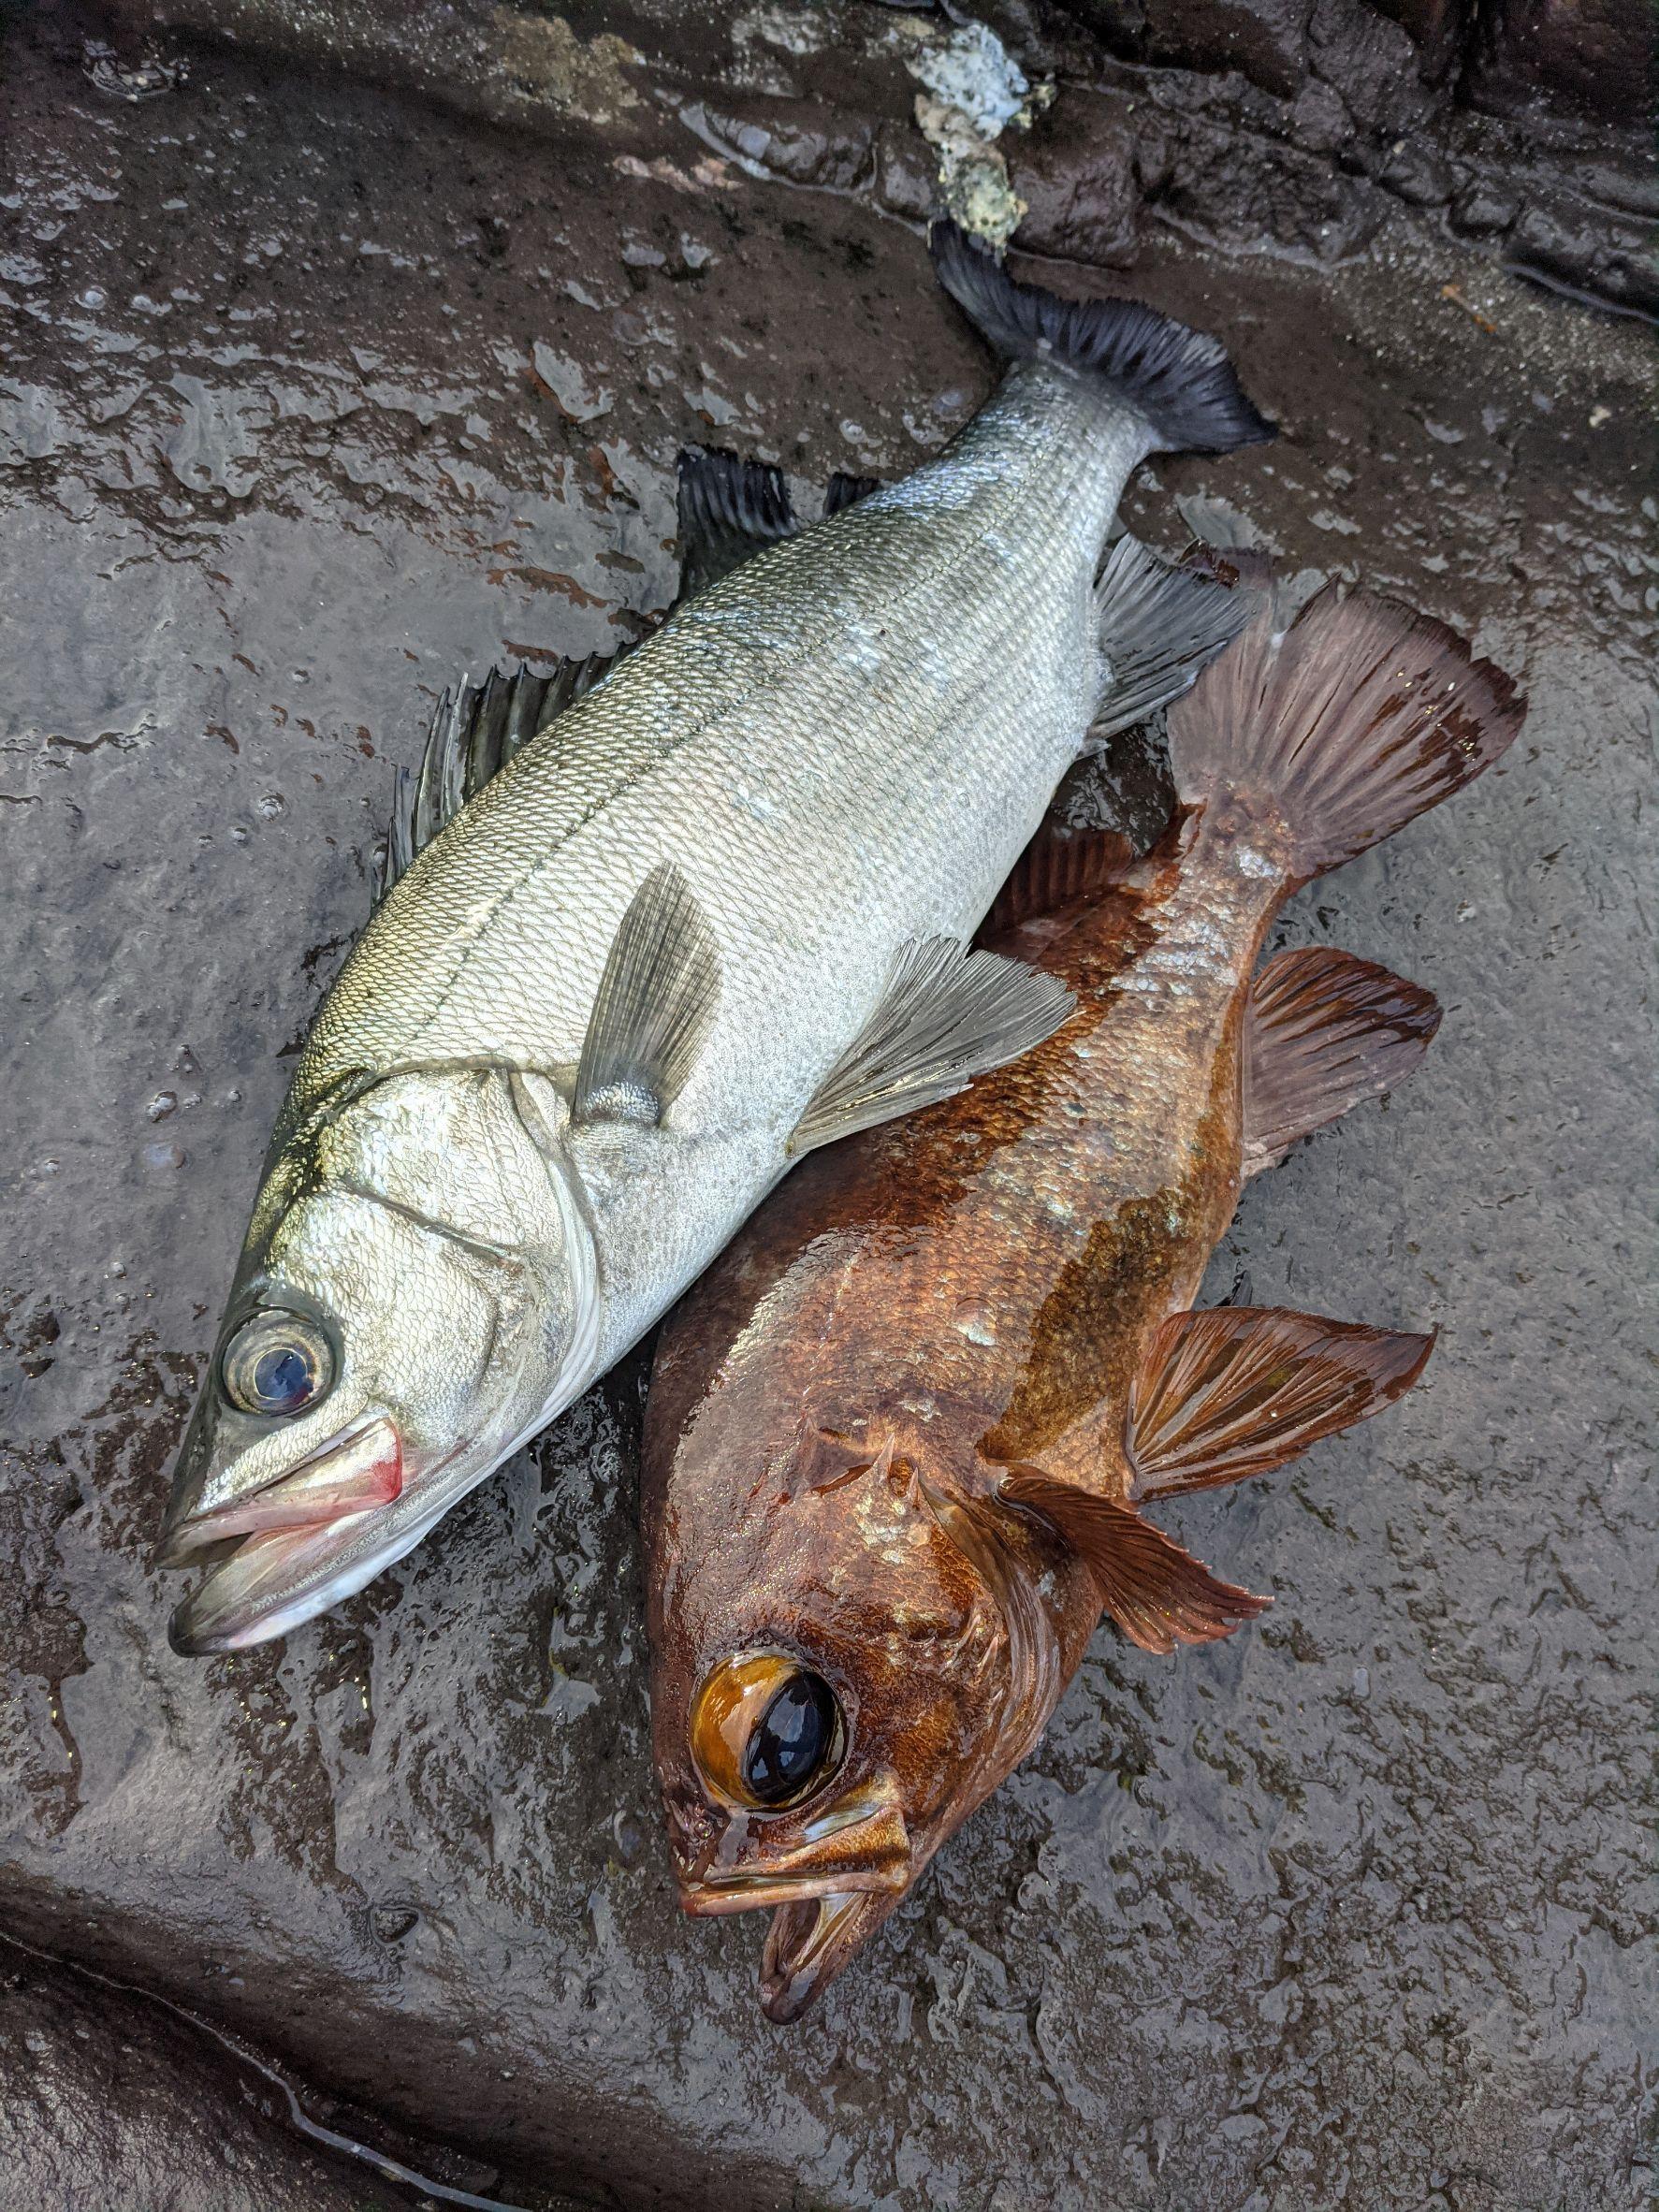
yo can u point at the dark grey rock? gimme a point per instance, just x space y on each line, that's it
1349 1910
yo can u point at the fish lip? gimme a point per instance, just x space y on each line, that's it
186 1535
751 1891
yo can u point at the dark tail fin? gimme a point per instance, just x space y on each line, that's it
1360 716
1179 380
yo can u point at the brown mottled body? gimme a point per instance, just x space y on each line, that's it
901 1433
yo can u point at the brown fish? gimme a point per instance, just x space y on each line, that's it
901 1434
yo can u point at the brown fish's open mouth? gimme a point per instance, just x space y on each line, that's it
811 1941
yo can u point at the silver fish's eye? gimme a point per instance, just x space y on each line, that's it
277 1364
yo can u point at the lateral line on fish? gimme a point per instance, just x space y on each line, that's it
1052 440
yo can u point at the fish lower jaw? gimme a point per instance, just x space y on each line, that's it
752 1892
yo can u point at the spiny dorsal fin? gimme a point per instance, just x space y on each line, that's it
1059 867
474 730
843 491
1159 626
1237 1390
942 1019
730 509
656 999
1156 1592
1324 1031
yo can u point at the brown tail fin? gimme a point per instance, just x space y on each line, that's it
1357 716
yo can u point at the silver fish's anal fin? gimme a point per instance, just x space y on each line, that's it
657 997
730 509
1239 1391
944 1017
474 730
1159 626
1156 1592
1323 1031
1339 728
1178 380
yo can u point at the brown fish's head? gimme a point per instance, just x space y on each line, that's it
843 1667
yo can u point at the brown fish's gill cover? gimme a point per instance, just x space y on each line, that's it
901 1434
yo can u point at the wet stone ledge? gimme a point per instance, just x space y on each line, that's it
311 396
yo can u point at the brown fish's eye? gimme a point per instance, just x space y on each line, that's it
766 1731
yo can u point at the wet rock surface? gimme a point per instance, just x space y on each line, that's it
310 399
110 2101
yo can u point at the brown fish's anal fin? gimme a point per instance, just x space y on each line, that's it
730 509
1159 625
1158 1592
1340 727
1059 868
475 731
1323 1032
944 1017
1238 1391
657 997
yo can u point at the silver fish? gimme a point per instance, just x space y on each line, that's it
714 913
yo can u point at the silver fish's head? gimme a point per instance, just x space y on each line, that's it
417 1294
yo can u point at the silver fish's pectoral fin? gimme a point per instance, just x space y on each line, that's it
474 730
942 1019
730 509
1159 627
657 997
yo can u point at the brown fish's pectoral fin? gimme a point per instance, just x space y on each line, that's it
1238 1391
474 730
1159 1593
1324 1032
656 999
944 1017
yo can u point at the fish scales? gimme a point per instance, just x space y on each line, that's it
591 1016
899 1435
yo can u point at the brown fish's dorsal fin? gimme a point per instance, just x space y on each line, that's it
1058 869
1237 1390
1159 1593
945 1016
1324 1031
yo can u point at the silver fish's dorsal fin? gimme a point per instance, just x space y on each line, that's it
843 491
942 1019
1238 1391
656 999
1323 1031
474 730
1159 626
729 510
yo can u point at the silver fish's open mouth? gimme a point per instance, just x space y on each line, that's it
270 1553
350 1474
